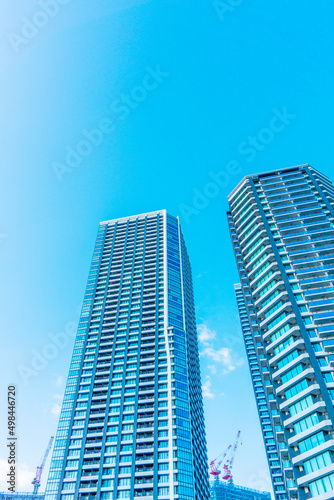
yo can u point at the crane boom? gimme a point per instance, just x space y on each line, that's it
234 449
227 462
37 479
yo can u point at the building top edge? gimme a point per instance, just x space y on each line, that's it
133 217
232 486
265 173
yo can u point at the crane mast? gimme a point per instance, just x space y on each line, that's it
37 479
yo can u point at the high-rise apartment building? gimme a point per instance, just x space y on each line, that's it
282 230
132 422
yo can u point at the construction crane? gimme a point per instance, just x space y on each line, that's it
228 464
37 479
215 467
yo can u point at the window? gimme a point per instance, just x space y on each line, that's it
125 470
280 332
72 463
287 359
301 405
126 447
123 494
163 491
127 427
277 320
68 486
296 389
283 345
318 462
107 482
322 485
292 373
306 423
163 478
124 481
311 442
71 474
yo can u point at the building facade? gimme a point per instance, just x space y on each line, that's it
272 450
282 230
132 422
224 490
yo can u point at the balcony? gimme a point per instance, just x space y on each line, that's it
310 242
144 446
328 345
297 343
321 303
143 493
283 295
324 424
325 317
307 478
143 480
147 424
302 358
144 457
144 468
145 435
314 281
327 445
327 249
89 484
318 406
86 496
90 473
142 416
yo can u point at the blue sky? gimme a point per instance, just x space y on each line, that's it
170 96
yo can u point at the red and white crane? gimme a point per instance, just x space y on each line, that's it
227 464
37 479
215 467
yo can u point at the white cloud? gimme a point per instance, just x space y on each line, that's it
213 369
24 476
205 334
206 388
55 409
223 356
59 381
